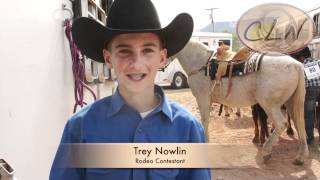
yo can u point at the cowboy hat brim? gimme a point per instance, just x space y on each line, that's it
91 37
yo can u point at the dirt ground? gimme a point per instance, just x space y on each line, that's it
240 130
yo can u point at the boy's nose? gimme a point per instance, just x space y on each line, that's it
137 61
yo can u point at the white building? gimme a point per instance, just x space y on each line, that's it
36 83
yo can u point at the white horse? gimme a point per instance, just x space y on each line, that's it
279 81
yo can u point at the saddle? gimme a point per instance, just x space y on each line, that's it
229 64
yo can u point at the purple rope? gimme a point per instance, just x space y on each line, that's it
78 70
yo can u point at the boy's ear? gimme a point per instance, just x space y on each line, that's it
164 58
107 58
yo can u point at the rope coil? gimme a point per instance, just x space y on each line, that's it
77 69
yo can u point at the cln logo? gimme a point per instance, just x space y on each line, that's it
275 28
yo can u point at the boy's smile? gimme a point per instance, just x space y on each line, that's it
136 76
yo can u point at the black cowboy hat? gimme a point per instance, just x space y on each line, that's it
130 16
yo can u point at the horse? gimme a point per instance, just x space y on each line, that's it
258 114
286 87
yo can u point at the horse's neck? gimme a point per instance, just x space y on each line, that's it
193 59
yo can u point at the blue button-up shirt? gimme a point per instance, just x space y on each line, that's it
111 120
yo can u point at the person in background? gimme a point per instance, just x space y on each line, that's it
312 92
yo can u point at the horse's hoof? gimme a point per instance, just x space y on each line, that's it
266 158
290 132
272 129
238 114
298 162
255 140
227 115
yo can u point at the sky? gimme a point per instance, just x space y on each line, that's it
227 10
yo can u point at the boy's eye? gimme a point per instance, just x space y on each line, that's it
148 50
124 51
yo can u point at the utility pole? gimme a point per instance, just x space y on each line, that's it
211 17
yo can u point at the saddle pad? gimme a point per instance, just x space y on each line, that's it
253 64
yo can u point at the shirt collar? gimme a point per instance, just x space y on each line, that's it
117 102
164 104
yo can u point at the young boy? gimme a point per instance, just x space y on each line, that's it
135 45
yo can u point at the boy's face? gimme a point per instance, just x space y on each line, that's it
135 57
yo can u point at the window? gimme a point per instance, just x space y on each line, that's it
226 42
96 9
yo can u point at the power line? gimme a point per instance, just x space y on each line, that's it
211 16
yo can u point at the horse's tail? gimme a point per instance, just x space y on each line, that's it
298 104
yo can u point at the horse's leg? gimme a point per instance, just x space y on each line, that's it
226 110
274 113
264 133
303 147
297 107
204 107
263 124
289 128
238 113
254 112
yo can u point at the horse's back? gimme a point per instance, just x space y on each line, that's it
277 78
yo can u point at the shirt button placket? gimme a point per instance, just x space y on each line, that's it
139 133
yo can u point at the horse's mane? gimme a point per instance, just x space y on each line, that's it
194 55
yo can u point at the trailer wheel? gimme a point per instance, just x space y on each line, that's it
179 81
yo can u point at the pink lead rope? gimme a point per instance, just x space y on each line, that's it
78 70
